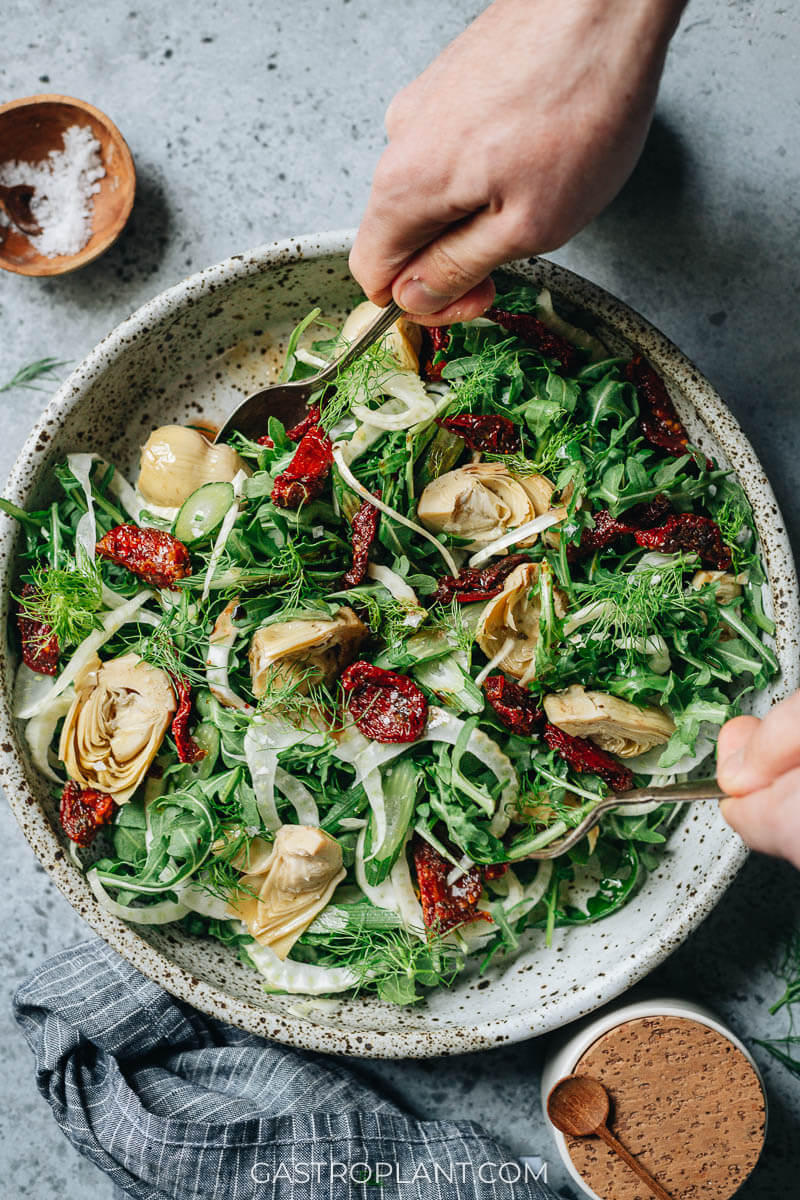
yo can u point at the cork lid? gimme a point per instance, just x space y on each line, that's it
685 1101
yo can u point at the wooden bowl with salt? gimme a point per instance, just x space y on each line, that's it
30 130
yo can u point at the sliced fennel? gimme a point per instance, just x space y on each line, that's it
111 622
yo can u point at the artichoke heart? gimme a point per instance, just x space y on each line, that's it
176 461
727 587
613 724
403 340
290 887
116 724
482 501
304 652
511 621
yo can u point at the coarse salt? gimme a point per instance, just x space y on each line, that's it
64 186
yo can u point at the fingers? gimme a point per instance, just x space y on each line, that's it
733 737
475 302
399 219
769 819
455 266
752 755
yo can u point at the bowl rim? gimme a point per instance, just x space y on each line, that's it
65 264
303 1031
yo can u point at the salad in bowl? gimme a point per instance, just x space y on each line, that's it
321 695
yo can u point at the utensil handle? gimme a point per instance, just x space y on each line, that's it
634 1164
675 793
382 322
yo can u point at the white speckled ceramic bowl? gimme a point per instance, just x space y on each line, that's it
194 350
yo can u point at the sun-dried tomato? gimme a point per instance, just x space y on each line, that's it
299 431
265 440
83 811
445 905
607 528
495 434
533 331
689 531
583 756
187 747
659 422
385 706
305 476
155 556
514 705
495 870
40 649
434 339
476 583
362 533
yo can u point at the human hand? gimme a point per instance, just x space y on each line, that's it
759 766
511 141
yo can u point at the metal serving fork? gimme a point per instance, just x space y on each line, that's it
676 793
287 401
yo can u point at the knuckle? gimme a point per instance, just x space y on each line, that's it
456 276
397 111
390 176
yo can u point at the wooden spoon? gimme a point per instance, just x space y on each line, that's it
17 204
580 1107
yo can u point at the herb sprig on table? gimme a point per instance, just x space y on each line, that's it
25 376
787 1049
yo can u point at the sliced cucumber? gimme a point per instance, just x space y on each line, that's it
202 513
207 737
400 784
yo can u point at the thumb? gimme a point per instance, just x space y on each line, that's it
447 280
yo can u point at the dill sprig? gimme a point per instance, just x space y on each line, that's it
478 378
297 693
359 383
389 619
223 870
550 453
67 598
176 644
638 603
787 1049
394 961
25 376
735 524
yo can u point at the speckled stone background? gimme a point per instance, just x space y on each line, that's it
250 121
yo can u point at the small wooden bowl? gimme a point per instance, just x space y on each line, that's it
29 130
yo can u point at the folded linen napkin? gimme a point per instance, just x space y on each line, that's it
174 1105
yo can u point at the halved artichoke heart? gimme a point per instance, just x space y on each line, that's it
177 460
613 724
304 652
482 501
116 724
403 340
512 618
290 886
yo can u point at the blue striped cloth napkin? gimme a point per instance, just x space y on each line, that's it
173 1104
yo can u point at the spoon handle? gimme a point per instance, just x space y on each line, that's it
645 1176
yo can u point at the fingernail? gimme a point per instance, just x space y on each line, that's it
416 297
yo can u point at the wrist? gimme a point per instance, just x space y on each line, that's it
651 23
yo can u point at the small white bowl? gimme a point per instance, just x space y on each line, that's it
566 1056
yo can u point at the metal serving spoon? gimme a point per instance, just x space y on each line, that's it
287 401
676 793
16 201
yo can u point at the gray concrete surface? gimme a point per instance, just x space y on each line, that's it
250 121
